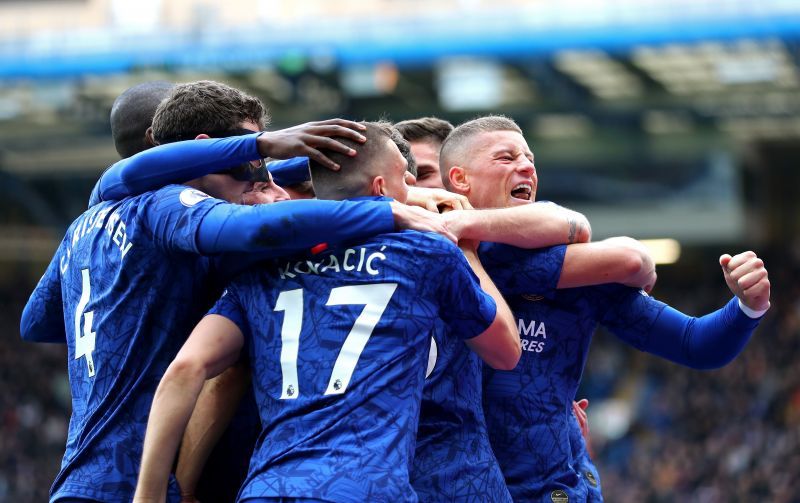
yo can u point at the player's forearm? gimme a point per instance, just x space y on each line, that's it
615 260
215 407
499 346
708 342
292 225
172 406
717 338
638 266
174 163
529 226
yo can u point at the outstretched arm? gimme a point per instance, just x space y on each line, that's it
183 161
708 342
183 219
213 346
172 163
529 226
297 225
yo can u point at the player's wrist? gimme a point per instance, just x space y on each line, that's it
750 312
470 224
265 143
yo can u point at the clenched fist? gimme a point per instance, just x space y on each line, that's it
747 278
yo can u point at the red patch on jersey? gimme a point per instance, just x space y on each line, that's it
319 248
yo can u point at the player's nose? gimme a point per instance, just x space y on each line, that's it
526 168
280 193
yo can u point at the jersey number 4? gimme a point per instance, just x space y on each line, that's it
84 342
374 297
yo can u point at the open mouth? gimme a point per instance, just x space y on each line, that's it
522 191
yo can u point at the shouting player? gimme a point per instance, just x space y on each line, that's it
453 460
338 342
529 409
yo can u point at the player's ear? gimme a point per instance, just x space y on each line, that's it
377 187
458 179
149 139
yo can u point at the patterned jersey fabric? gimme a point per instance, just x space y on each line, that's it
338 344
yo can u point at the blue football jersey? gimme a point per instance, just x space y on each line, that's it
338 344
127 285
132 287
529 409
454 461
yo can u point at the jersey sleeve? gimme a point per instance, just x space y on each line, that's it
230 306
174 216
43 316
464 306
276 229
172 163
519 271
185 219
707 342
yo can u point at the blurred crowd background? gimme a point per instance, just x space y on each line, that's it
675 121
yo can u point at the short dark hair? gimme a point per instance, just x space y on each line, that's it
205 106
429 129
132 114
356 172
453 152
405 150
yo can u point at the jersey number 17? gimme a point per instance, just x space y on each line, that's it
375 298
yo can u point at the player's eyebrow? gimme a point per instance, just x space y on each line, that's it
503 149
512 150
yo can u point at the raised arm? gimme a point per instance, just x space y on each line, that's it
707 342
213 346
172 163
183 161
529 226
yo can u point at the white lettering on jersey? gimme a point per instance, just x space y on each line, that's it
333 263
368 262
91 222
531 329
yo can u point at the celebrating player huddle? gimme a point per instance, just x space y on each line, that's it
361 349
